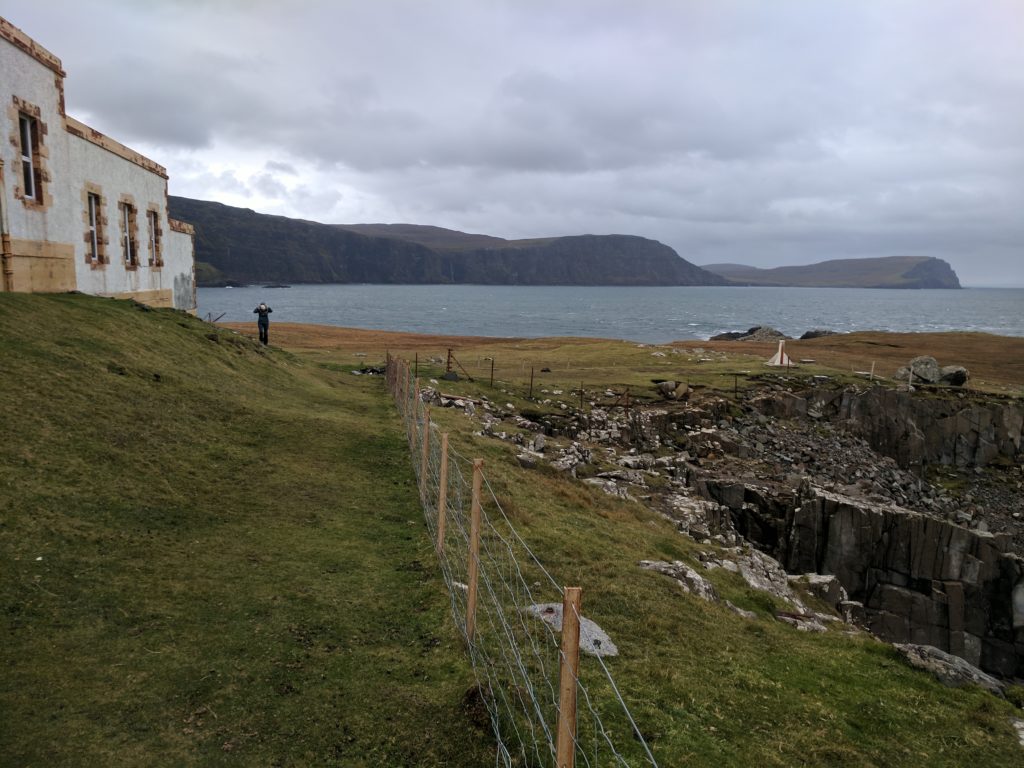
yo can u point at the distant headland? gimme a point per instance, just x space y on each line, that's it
884 272
237 246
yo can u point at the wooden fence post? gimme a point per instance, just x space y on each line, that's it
442 494
474 548
565 748
425 458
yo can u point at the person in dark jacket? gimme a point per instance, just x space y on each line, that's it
263 322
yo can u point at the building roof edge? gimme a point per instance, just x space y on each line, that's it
22 41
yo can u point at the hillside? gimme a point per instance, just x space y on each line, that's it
885 272
438 238
215 556
211 555
240 246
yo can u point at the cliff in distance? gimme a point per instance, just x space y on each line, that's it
885 272
239 246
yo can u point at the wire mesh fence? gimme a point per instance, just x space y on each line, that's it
545 707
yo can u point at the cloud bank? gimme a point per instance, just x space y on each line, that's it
761 133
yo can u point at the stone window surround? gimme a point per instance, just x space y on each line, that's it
126 209
102 226
156 236
41 154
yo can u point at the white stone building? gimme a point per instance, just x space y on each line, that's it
78 210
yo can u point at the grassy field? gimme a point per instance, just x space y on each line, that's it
996 363
213 555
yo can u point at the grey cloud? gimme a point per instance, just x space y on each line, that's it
732 130
280 167
267 185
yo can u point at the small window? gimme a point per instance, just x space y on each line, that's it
95 229
155 257
28 128
128 238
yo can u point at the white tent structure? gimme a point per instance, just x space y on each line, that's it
781 358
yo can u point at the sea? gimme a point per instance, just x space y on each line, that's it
652 315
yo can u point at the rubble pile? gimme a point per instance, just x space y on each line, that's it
800 481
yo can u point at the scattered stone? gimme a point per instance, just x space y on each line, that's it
688 579
608 486
740 611
949 670
593 639
803 622
528 460
1018 725
826 588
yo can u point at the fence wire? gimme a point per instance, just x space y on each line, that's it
516 656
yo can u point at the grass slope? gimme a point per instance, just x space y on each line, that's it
234 571
709 688
212 555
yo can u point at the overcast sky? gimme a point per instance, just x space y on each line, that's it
764 133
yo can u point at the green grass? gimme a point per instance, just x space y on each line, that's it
711 688
223 566
235 571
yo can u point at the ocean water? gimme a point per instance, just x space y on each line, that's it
651 315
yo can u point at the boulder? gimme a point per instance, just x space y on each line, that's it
954 375
593 639
817 333
949 670
688 579
757 333
921 370
528 460
666 388
764 333
825 587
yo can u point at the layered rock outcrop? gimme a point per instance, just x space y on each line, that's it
915 430
922 580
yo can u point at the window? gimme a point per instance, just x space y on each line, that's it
95 229
155 257
128 235
28 128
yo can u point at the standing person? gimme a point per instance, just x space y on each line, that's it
263 321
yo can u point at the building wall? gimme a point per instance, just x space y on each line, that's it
46 242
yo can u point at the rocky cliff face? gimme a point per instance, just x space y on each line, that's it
918 430
800 478
921 577
236 245
921 580
582 260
